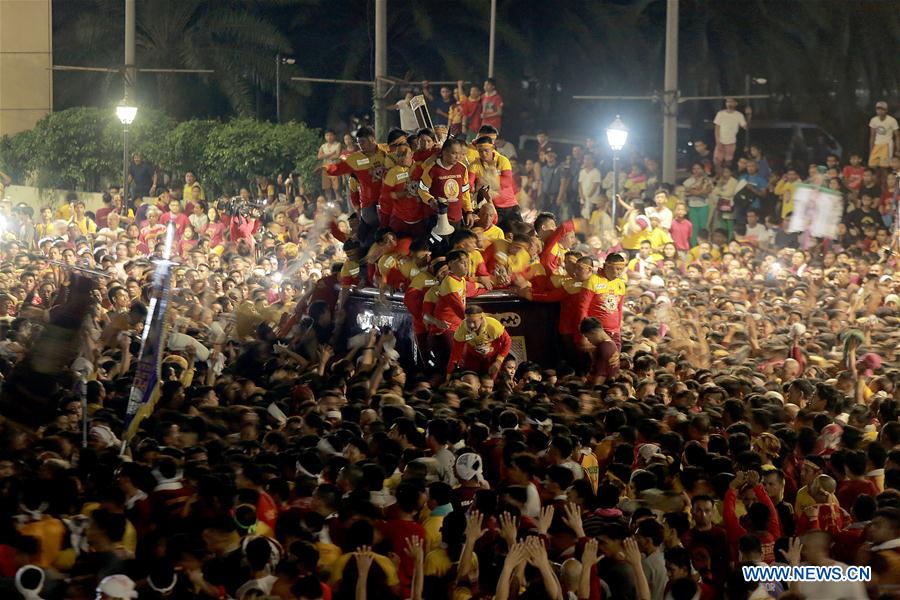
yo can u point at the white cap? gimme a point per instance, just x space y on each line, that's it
117 586
468 465
892 298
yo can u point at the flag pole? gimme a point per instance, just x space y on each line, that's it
144 388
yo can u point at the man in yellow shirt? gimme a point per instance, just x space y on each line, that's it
67 208
85 224
784 189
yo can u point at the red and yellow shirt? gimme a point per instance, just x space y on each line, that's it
607 302
485 345
450 184
400 196
369 169
497 176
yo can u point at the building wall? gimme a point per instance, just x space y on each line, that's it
26 81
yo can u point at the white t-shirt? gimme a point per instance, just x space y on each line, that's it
664 215
729 123
758 233
884 130
587 181
330 149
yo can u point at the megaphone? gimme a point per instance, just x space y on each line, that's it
443 227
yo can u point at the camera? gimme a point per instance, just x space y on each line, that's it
235 206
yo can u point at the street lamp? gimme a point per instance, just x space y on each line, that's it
616 135
280 60
126 113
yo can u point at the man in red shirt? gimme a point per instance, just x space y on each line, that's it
400 197
450 305
491 104
609 294
682 229
493 171
555 240
575 295
471 108
444 178
176 216
410 501
480 344
369 165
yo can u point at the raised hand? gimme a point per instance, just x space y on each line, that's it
794 551
631 554
537 552
589 556
474 530
363 557
545 518
518 553
509 528
572 518
414 548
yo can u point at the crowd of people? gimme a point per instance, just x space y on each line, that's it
726 393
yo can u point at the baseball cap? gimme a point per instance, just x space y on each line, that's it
881 104
892 298
468 465
117 586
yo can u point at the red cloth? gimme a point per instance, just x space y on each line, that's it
414 299
489 104
241 229
472 112
548 257
266 510
849 489
735 530
336 232
181 221
216 233
573 306
101 217
369 171
681 232
830 518
396 531
451 307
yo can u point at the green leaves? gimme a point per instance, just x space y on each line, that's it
241 149
81 148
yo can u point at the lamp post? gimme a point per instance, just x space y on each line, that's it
126 113
616 135
280 60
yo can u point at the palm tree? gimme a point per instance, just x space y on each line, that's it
237 39
426 40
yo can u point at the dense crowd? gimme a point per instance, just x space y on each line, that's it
727 392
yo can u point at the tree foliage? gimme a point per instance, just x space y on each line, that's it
241 149
81 148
